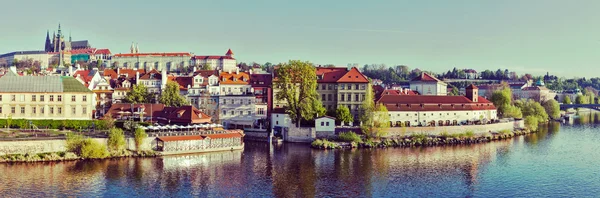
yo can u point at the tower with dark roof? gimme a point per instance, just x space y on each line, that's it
472 93
229 53
48 46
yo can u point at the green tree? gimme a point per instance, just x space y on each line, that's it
206 66
297 84
552 108
454 91
567 100
532 108
374 118
171 97
342 113
531 123
139 136
116 139
139 94
580 99
502 98
511 111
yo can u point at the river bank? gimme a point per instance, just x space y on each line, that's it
417 140
71 156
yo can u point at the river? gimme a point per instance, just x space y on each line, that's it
560 161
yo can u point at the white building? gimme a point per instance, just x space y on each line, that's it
325 124
153 80
40 56
431 110
148 61
236 100
427 84
224 63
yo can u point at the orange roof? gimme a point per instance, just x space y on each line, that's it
353 76
183 81
152 75
154 54
131 72
229 78
229 52
433 103
110 73
102 51
212 57
180 138
224 135
426 77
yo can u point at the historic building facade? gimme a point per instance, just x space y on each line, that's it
224 63
427 84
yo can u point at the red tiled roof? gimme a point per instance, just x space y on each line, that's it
212 57
110 73
154 54
426 77
229 78
103 51
255 80
186 115
179 138
130 73
428 99
152 75
206 73
153 110
472 86
330 74
83 51
353 76
229 52
224 135
183 81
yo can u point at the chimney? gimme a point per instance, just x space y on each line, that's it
229 71
163 80
250 71
118 70
237 70
137 76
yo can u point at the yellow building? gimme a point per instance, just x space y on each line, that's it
44 97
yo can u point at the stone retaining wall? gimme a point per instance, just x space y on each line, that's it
399 131
294 134
46 146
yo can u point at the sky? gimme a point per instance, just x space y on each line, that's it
525 36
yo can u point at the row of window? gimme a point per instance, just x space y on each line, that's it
342 87
42 98
441 114
232 112
34 110
343 97
236 101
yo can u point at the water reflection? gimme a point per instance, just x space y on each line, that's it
293 170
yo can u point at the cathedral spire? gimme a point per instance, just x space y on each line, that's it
59 32
69 36
48 45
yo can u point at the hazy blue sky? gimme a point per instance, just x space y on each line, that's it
562 37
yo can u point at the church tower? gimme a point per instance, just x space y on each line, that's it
471 92
48 47
229 53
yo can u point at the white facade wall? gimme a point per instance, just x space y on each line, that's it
325 124
281 120
429 88
424 117
169 63
25 107
218 64
235 89
239 110
154 86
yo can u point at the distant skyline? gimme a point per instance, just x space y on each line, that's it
533 36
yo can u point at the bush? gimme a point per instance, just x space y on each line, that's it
116 139
93 150
532 122
349 137
325 144
55 124
84 147
419 137
469 134
139 136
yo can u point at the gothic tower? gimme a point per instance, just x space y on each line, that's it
48 47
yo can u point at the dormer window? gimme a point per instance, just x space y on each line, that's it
234 79
224 79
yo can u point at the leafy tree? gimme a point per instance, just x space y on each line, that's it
139 94
567 100
116 139
531 123
171 97
511 111
206 66
139 136
532 108
502 98
297 86
454 91
580 99
342 113
552 108
373 118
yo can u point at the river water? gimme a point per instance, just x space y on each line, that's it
563 160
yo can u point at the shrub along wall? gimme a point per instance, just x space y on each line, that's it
55 124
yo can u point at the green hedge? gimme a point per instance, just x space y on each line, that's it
55 124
